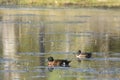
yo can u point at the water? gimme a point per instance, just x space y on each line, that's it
29 35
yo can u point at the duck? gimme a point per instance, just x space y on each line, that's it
58 62
80 54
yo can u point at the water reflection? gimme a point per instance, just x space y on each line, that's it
9 50
27 38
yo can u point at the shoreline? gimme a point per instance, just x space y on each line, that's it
59 3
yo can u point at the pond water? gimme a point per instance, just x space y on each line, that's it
29 35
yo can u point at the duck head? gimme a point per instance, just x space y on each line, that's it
50 59
79 52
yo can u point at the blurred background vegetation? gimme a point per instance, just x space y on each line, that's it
81 3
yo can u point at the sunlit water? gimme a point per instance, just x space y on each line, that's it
29 36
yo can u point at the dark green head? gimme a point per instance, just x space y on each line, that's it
79 52
50 58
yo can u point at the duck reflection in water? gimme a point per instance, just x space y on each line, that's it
83 55
57 63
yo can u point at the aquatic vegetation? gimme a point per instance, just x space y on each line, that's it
80 3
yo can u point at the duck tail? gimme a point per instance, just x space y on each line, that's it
68 62
89 55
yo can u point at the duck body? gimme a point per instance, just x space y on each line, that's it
83 54
58 62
